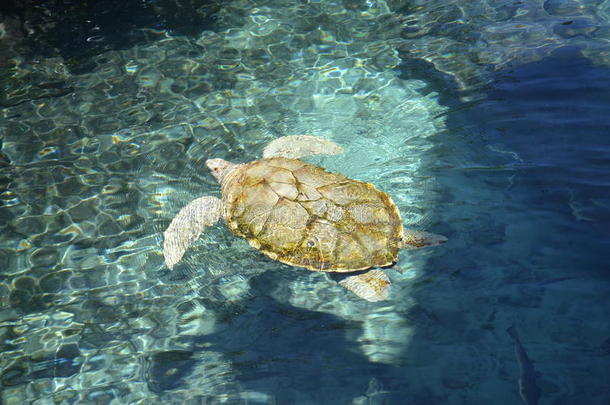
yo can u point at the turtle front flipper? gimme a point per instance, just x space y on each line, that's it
418 239
187 225
297 146
371 286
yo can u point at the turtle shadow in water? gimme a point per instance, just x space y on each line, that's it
293 354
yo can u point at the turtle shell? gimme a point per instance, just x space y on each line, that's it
302 215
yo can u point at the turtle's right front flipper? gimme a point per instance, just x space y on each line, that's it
186 227
298 146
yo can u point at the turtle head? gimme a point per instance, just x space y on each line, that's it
219 168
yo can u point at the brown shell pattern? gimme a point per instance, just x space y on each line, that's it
302 215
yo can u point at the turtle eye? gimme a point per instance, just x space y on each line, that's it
311 243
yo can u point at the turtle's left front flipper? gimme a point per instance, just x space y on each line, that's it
187 225
418 239
372 285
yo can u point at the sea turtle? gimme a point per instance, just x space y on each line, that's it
302 215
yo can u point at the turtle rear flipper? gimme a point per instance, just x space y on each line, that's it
187 225
297 146
371 286
418 239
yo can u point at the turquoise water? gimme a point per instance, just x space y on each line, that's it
486 121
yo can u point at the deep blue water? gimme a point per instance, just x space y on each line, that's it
530 180
487 123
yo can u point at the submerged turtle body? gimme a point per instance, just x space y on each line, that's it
302 215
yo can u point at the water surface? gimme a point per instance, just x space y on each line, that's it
485 121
